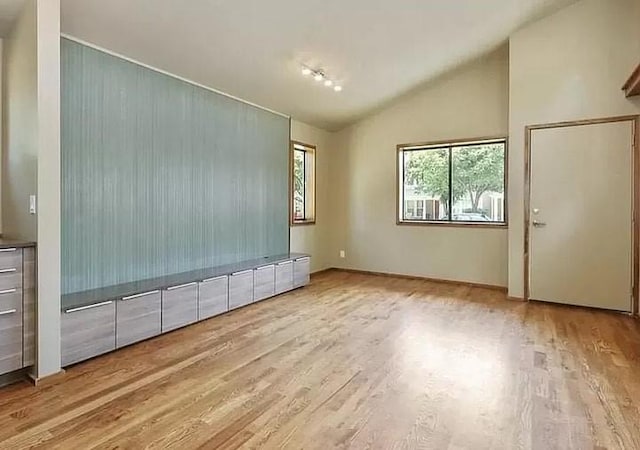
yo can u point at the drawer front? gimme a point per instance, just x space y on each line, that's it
301 271
10 268
10 257
179 306
213 297
29 307
10 278
11 299
10 339
240 289
88 332
284 276
138 317
264 280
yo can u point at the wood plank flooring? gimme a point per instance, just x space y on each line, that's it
353 361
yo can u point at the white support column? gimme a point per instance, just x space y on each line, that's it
48 188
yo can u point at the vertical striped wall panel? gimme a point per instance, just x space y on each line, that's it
160 176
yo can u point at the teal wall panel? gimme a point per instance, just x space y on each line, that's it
160 176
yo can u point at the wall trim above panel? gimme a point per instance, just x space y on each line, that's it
164 72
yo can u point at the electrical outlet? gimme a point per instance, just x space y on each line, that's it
32 204
342 254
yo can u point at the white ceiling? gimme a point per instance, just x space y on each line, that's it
377 49
9 10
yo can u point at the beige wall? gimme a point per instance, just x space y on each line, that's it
470 102
313 239
567 66
20 139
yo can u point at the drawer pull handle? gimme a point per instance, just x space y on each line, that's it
82 308
8 291
265 267
284 263
241 272
7 312
181 286
7 250
303 259
8 270
214 279
144 294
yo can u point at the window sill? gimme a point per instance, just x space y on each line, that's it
303 222
421 223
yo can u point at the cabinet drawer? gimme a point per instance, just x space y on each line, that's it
10 338
284 276
11 278
240 289
10 257
88 331
11 299
263 282
213 297
10 268
301 271
138 317
179 306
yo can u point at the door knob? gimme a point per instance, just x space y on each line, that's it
538 224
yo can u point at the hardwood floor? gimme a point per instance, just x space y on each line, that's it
353 361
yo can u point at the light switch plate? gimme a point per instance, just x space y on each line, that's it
32 204
342 254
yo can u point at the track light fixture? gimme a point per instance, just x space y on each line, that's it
320 75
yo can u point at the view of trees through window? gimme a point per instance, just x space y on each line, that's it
303 183
458 183
298 184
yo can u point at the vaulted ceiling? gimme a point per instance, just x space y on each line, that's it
253 49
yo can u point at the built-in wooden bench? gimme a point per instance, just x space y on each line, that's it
101 320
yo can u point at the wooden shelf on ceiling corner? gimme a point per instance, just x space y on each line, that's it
632 86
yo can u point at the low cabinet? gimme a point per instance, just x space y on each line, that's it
10 329
138 317
17 308
91 327
301 271
240 289
179 306
213 297
264 280
284 276
88 331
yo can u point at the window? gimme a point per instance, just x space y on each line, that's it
453 183
303 174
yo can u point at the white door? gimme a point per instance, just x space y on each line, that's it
580 235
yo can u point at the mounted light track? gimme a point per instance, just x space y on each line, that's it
319 75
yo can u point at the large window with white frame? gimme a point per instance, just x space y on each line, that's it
459 183
303 174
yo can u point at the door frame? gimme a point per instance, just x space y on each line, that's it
635 120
